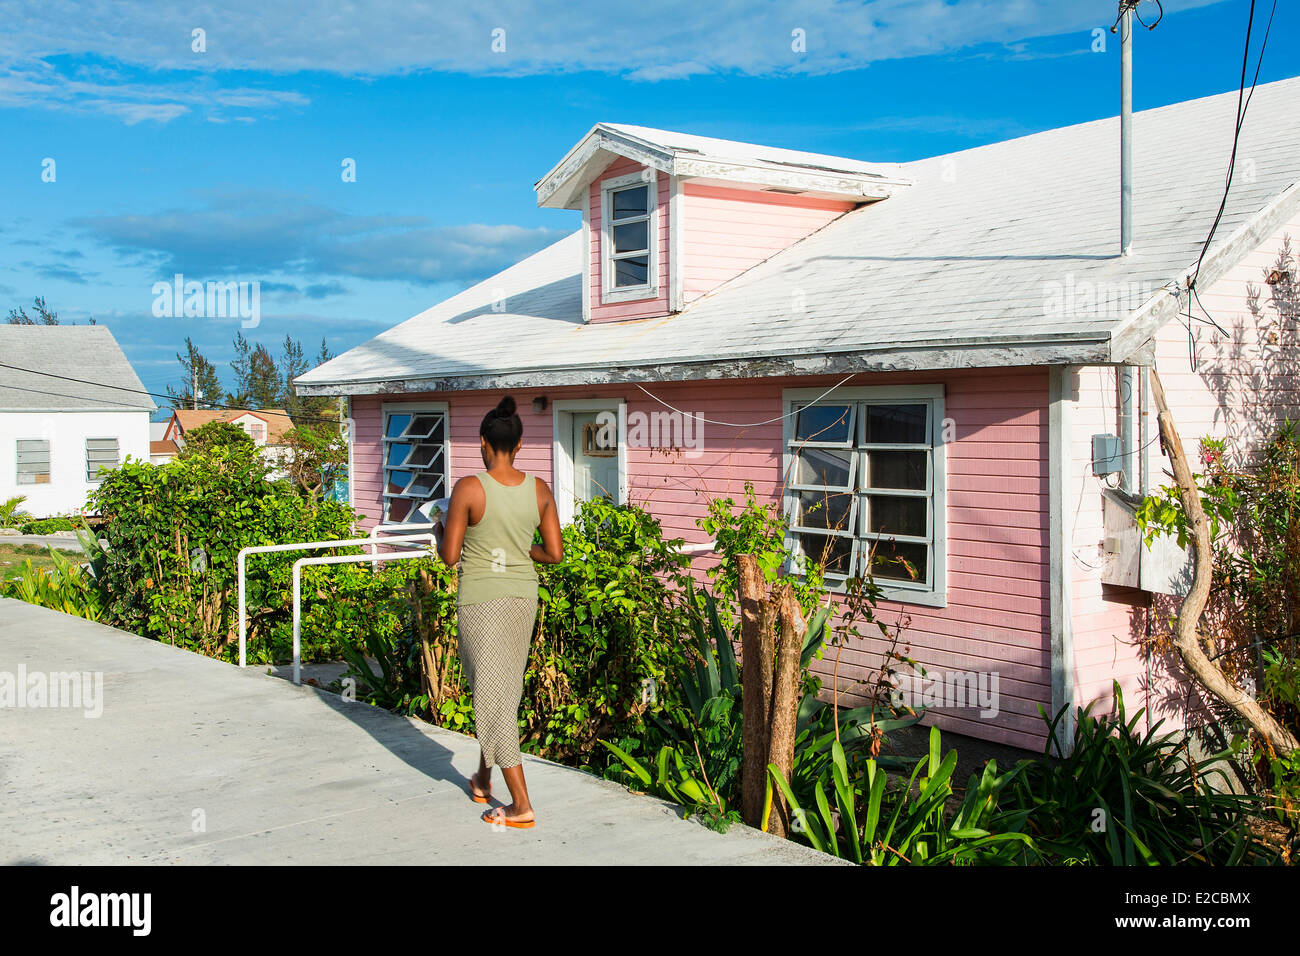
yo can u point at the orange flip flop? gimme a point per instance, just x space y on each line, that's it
469 788
490 817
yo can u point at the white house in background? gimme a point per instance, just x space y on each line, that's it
71 407
266 426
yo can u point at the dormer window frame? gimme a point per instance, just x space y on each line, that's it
648 177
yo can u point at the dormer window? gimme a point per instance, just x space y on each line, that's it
628 237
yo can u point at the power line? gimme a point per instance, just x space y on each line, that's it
270 413
770 421
1243 104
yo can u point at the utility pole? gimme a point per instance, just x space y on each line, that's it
1126 126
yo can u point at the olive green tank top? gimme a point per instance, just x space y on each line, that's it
494 559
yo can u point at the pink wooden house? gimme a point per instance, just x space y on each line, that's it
941 364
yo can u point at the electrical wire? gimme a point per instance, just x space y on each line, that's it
270 413
770 421
1243 104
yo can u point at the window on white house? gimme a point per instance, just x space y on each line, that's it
101 456
33 461
257 431
628 236
415 459
865 488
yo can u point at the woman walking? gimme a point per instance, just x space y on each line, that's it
488 529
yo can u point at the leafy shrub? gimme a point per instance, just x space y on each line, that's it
10 510
1123 797
173 534
1253 611
47 525
215 438
614 618
62 587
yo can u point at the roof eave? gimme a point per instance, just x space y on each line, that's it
932 356
1129 340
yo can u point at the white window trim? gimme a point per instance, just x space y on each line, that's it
403 408
937 594
608 295
562 453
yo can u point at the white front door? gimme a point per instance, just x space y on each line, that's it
589 455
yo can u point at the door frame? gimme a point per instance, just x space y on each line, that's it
562 447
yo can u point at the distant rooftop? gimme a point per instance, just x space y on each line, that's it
66 368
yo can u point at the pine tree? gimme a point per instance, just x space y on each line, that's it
195 368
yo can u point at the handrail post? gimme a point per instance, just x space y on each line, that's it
243 621
297 620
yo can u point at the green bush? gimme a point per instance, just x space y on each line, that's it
64 586
173 533
1124 797
47 525
614 623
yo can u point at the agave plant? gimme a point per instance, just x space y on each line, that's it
871 824
1125 797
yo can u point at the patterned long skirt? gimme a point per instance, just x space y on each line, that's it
493 642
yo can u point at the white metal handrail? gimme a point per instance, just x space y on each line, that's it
370 541
333 559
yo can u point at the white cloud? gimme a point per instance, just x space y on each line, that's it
670 38
257 235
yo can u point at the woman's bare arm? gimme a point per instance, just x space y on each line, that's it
457 518
551 550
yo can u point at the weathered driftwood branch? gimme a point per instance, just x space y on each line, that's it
1207 674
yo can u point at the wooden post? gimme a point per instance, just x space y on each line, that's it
757 617
785 699
770 679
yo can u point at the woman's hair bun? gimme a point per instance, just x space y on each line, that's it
506 407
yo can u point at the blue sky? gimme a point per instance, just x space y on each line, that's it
224 163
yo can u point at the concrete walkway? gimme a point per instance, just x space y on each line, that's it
194 761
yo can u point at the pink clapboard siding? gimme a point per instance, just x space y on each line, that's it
997 615
640 308
1241 388
730 230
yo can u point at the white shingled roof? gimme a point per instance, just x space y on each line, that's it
962 268
46 368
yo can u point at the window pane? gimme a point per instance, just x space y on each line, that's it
900 561
396 425
897 469
422 456
630 202
833 552
823 467
822 423
423 426
631 272
631 237
399 508
397 482
896 424
829 510
397 454
890 514
426 486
